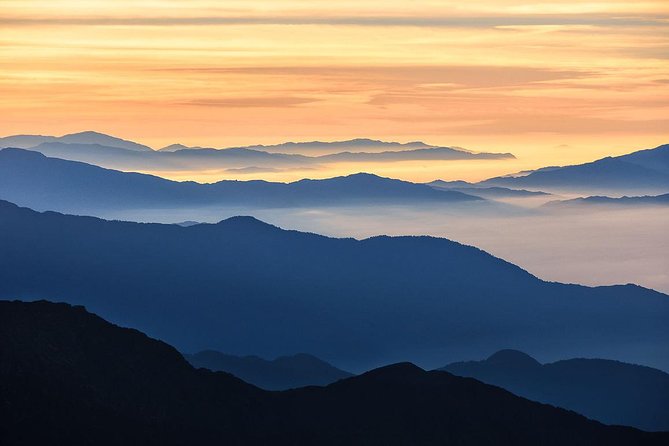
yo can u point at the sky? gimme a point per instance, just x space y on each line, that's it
555 82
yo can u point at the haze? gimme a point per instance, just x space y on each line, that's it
601 247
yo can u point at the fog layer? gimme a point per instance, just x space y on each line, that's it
591 247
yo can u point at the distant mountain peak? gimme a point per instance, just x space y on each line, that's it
513 357
398 370
93 137
363 175
85 133
174 148
245 221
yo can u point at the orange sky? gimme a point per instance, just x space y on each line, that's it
554 82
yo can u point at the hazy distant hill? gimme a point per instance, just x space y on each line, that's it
284 372
245 286
111 152
355 145
32 179
175 147
123 159
208 158
88 137
434 153
645 170
365 147
69 377
608 391
646 200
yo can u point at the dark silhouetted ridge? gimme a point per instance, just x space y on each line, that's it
400 370
69 377
284 372
245 221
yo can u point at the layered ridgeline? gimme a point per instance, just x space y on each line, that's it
34 180
608 391
357 145
245 286
284 372
644 171
609 202
480 190
116 153
69 377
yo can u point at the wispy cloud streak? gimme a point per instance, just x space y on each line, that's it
379 21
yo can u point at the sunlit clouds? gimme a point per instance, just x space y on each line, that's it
554 82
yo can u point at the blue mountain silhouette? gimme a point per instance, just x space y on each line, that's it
641 170
34 180
245 286
612 392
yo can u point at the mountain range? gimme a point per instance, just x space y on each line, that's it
611 392
608 391
644 170
284 372
351 145
111 152
70 377
32 179
640 172
359 303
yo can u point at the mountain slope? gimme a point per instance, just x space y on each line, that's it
285 372
644 170
360 303
69 377
32 179
608 391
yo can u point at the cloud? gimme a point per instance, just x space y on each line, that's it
253 169
380 21
564 124
470 76
263 101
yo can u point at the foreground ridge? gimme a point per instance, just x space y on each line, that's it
81 380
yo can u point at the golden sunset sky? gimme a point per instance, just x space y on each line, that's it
552 82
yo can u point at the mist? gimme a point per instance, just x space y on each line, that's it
590 246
